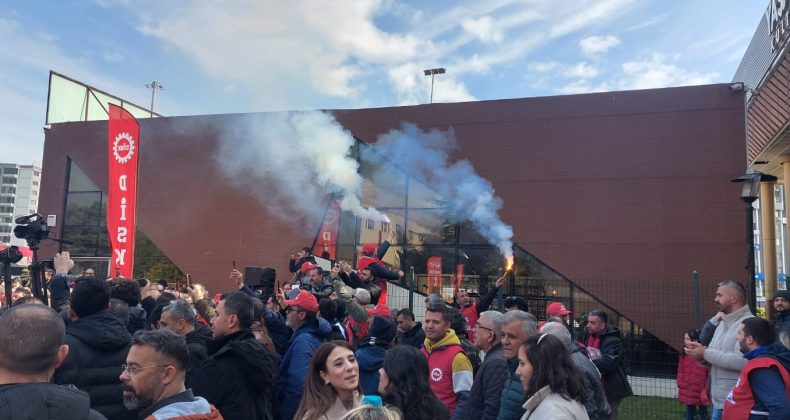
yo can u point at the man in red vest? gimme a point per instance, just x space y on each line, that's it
763 388
450 371
371 268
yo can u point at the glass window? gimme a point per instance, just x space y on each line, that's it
78 181
9 180
83 209
36 173
369 224
5 228
6 209
10 171
384 185
85 241
5 238
9 200
8 190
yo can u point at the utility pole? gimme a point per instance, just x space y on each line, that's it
432 73
154 86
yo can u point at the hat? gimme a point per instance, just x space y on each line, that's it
304 300
782 294
556 308
380 310
368 249
382 330
307 266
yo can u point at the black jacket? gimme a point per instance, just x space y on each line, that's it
45 401
415 337
197 344
296 265
615 381
782 324
98 345
486 394
138 319
238 377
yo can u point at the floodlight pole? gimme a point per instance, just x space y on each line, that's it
432 73
154 86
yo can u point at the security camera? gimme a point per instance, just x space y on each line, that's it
737 87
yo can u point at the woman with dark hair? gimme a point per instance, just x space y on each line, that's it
332 385
403 384
553 387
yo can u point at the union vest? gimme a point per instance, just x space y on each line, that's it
440 367
740 401
471 315
364 262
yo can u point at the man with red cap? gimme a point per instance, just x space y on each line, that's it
371 268
309 332
555 310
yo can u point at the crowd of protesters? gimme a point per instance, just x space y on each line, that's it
327 345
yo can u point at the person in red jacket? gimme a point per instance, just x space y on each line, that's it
692 382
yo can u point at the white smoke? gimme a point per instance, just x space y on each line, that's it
467 195
292 161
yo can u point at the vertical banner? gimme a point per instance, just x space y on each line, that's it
327 239
124 148
435 275
459 276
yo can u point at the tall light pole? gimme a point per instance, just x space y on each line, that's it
432 73
154 86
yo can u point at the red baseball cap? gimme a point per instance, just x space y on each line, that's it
307 266
304 300
368 249
556 308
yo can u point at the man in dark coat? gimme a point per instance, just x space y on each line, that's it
410 333
304 255
238 377
179 317
31 348
98 343
486 394
129 292
781 301
309 332
606 351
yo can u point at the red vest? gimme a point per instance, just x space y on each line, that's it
440 367
364 262
740 402
471 315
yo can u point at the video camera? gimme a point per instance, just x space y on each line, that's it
10 255
32 228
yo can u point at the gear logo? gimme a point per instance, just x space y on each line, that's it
436 374
123 147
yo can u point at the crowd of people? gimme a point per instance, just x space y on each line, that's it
327 345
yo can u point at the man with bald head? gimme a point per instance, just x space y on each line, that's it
31 347
724 352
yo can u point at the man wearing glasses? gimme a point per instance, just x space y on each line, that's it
153 378
486 394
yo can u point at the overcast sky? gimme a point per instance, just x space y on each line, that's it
253 55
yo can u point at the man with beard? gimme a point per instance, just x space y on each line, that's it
723 352
153 379
606 351
763 388
238 377
472 311
781 302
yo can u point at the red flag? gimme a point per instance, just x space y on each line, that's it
123 152
329 230
459 276
435 274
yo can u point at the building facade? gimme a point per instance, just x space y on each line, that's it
19 196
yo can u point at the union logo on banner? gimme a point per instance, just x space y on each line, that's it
123 153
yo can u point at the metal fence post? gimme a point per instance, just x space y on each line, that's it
411 287
697 301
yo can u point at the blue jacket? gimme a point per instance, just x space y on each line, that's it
767 386
512 395
370 360
59 291
295 363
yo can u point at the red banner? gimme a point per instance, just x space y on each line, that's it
124 150
435 275
327 238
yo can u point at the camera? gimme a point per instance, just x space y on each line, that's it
32 228
10 255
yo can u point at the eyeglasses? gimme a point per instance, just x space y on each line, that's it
131 370
292 309
485 328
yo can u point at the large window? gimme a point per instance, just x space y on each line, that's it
85 224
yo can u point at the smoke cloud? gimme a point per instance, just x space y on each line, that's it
304 156
301 156
467 195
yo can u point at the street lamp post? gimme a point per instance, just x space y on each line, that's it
750 193
432 73
154 86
